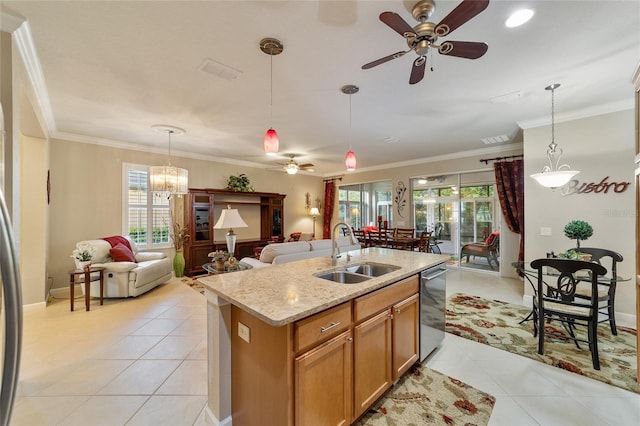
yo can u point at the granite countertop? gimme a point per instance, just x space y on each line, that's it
282 294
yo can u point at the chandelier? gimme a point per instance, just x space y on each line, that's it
168 180
554 175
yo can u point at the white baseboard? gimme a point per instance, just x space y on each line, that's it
64 292
211 419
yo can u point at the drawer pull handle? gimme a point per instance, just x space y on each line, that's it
349 339
329 327
397 310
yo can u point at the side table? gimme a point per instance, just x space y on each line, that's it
86 274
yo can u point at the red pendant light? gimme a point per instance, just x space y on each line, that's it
271 142
271 47
350 158
350 161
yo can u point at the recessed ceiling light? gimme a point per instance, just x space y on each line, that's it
518 18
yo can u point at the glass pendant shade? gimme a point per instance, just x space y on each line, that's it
168 180
271 142
554 175
350 161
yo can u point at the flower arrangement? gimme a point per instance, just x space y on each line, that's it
180 236
219 255
83 252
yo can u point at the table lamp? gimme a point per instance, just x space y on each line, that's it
314 212
230 218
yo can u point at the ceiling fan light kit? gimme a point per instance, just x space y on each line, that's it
423 37
554 175
271 47
168 180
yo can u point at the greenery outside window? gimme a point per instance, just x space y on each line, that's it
361 204
146 216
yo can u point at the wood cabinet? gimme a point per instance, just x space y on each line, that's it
200 217
326 369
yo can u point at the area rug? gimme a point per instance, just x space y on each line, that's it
427 397
496 324
194 284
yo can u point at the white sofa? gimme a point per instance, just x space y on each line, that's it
277 253
129 279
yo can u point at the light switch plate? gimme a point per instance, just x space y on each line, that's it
546 231
244 332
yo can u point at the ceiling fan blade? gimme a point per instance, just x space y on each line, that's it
397 24
417 70
463 49
306 166
458 16
383 60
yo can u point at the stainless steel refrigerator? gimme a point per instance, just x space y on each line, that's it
10 315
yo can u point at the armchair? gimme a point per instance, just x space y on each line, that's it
488 249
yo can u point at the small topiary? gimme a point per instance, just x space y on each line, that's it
578 230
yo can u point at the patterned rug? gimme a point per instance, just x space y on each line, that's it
423 397
427 397
495 324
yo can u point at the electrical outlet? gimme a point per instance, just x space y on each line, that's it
244 332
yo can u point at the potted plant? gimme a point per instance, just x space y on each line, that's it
239 183
82 255
219 257
578 230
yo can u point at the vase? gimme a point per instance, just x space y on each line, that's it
220 265
178 263
82 264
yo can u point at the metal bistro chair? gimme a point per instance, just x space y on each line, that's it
558 302
606 285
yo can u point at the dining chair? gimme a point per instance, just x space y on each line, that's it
424 245
606 285
379 238
403 238
361 237
558 302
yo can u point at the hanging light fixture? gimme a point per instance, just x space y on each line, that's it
350 158
291 167
168 180
271 47
554 175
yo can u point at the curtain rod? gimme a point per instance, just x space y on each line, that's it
486 160
331 179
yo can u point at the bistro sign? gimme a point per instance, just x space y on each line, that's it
603 187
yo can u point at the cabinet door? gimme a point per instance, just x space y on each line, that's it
323 383
372 361
406 345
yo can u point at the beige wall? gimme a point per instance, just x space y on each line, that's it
86 194
597 146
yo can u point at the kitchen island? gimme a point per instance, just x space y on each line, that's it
263 345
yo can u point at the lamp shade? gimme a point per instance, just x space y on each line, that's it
168 179
314 211
350 161
230 218
554 179
271 142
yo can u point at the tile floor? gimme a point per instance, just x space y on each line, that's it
143 361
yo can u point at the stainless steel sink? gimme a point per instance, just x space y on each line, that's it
372 269
343 277
357 273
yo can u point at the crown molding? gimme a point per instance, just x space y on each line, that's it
9 21
578 114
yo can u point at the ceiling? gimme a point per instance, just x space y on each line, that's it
113 69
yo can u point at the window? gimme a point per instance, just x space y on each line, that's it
362 204
146 216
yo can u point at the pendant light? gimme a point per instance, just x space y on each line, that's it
271 47
554 175
168 180
350 158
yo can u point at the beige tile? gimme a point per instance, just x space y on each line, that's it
173 347
191 327
169 410
143 377
158 327
50 410
200 351
105 410
190 378
87 378
129 347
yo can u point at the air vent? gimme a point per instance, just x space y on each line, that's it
219 70
495 139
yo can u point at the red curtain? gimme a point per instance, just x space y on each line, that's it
510 186
329 200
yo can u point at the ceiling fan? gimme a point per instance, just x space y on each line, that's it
423 36
292 167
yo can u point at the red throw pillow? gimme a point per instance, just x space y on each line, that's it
121 253
491 237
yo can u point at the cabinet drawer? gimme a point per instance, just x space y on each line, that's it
378 300
321 326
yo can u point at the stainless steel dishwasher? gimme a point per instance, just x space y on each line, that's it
433 285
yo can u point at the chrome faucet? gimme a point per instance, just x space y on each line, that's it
334 243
